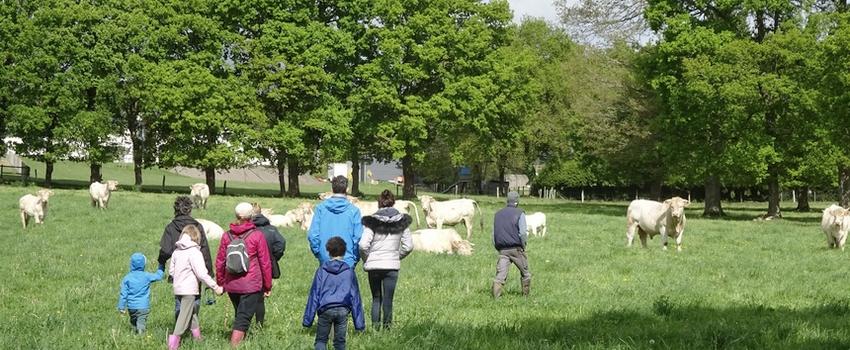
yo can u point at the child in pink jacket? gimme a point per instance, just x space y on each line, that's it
187 267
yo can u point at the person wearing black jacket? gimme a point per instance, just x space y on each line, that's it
277 246
183 218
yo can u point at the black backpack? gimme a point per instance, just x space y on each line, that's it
237 261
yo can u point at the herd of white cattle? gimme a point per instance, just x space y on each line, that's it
645 218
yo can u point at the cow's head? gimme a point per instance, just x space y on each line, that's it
425 200
462 247
44 195
677 206
112 185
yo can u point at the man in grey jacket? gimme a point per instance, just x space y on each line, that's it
509 238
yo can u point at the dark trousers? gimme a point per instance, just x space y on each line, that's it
336 317
260 314
382 283
510 256
138 318
244 306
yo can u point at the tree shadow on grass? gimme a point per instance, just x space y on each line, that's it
667 326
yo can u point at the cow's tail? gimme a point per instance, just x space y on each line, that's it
480 215
416 210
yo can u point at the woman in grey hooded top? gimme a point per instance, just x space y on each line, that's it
386 240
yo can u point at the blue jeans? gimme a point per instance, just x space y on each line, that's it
138 318
336 317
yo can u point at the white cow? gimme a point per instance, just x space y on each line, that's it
200 193
536 224
34 206
100 193
450 213
304 214
651 218
211 229
287 220
441 241
835 224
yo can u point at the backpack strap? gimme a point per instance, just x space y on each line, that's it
230 235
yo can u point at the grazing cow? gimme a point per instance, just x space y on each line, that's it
536 224
100 193
450 213
441 241
34 206
651 218
211 229
200 193
835 224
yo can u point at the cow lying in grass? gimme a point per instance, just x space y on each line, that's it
441 241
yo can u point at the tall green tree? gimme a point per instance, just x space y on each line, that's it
422 47
290 50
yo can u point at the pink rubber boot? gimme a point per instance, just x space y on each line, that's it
196 333
173 342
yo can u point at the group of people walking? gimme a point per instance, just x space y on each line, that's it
247 262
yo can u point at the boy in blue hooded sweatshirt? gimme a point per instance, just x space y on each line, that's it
333 295
336 216
136 291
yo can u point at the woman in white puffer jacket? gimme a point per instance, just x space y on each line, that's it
386 240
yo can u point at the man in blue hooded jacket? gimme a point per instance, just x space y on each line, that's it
336 216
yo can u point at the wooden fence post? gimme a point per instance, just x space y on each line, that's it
224 191
163 183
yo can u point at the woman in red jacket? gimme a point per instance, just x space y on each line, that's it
246 289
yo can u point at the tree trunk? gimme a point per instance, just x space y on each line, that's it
803 199
409 191
294 170
280 163
774 193
713 207
48 174
655 189
137 141
504 187
209 173
94 173
476 178
355 171
844 186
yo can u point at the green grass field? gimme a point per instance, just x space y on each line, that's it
737 284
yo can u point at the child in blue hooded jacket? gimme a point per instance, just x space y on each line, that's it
136 291
333 295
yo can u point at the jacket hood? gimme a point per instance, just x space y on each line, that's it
335 267
387 220
183 220
261 220
137 262
185 242
336 204
239 229
388 215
